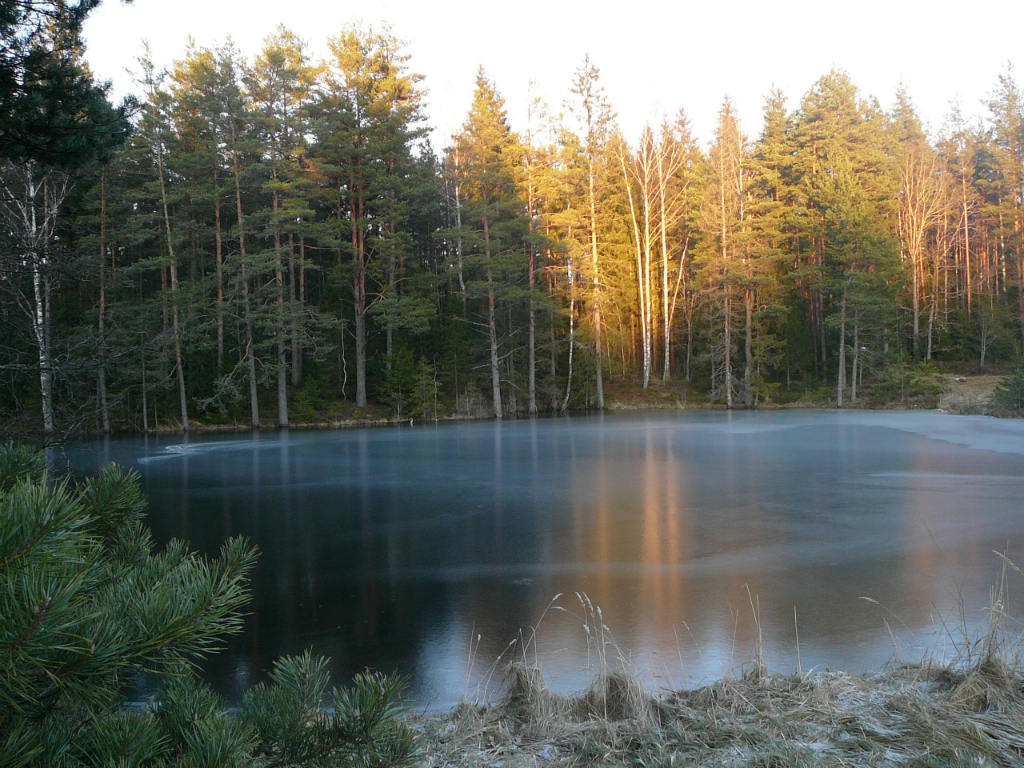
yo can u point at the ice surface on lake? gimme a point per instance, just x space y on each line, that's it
389 547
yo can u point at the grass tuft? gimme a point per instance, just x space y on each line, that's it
964 712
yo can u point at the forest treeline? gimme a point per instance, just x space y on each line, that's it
277 236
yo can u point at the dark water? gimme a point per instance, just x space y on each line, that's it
392 548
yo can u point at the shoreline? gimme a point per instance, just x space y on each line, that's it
921 715
956 395
198 428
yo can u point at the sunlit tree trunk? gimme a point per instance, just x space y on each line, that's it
492 328
920 207
841 382
726 277
638 244
856 357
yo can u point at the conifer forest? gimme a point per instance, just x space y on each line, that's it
277 240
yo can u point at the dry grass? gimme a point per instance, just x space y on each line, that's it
967 711
968 394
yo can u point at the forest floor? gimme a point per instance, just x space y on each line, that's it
952 392
967 710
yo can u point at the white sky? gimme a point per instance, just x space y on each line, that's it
654 57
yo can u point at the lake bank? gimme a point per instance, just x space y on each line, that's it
924 716
947 710
947 393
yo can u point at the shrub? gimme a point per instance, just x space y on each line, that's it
1009 393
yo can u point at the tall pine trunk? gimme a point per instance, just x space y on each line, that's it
856 357
102 330
359 292
748 348
250 352
219 254
841 379
492 330
175 320
531 373
299 310
280 330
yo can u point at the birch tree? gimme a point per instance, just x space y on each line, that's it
31 203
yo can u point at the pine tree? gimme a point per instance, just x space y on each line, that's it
725 245
279 85
89 606
595 117
494 225
52 112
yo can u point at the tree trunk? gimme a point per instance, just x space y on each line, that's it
297 349
641 285
492 330
916 303
598 352
531 374
174 296
359 297
297 310
219 252
554 361
748 349
40 321
648 291
280 332
104 409
250 352
728 350
841 379
856 357
572 341
145 404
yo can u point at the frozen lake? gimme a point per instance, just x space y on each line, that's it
391 548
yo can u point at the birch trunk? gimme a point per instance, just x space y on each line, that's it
598 352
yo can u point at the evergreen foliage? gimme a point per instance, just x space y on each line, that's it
89 606
1009 393
51 110
278 239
